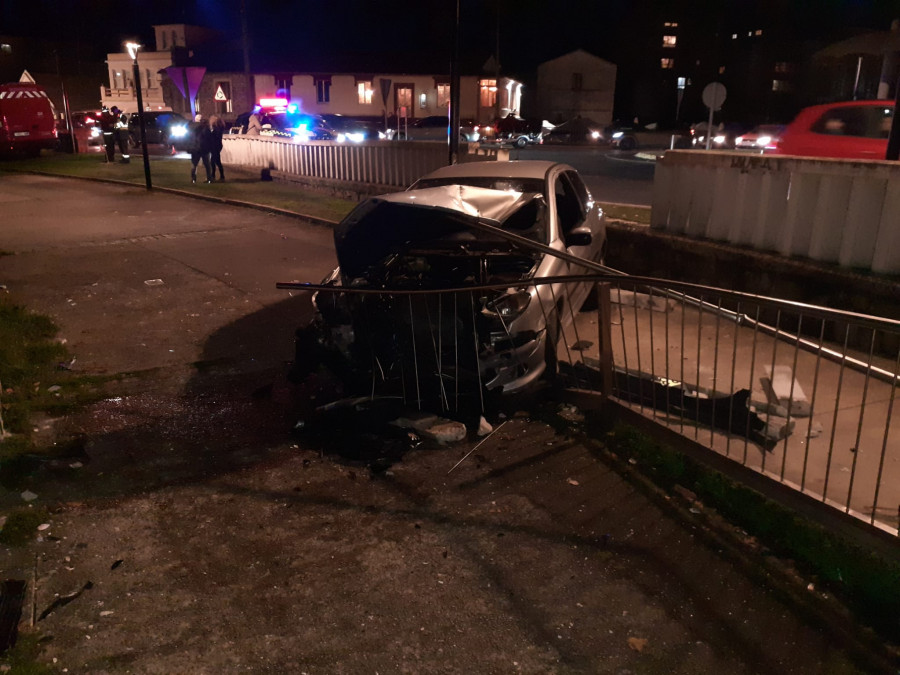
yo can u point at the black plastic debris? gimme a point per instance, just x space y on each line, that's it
64 600
12 597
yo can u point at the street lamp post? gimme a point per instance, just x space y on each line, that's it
132 48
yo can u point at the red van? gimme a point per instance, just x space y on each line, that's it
27 121
849 130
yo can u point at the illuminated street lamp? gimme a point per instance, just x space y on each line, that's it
132 48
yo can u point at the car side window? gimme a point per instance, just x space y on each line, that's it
584 197
568 210
858 121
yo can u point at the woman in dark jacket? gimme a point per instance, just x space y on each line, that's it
217 129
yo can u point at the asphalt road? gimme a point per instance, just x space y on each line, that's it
611 175
245 549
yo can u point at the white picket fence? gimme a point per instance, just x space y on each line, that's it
384 163
836 211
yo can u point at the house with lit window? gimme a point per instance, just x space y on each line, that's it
188 73
577 84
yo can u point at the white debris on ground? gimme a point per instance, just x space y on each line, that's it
433 427
656 303
783 389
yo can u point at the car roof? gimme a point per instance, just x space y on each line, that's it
526 168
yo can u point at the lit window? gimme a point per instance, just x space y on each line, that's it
423 101
669 40
443 95
721 69
781 85
734 36
488 93
364 91
758 31
667 64
682 82
782 67
323 89
671 24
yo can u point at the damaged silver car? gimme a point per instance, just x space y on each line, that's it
459 283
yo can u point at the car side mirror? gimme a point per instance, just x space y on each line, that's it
579 239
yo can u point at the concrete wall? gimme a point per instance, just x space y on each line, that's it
827 210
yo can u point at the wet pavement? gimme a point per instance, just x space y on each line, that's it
218 540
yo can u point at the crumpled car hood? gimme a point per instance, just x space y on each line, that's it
386 224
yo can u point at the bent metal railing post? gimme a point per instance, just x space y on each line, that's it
818 417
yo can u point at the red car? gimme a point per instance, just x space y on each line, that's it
850 130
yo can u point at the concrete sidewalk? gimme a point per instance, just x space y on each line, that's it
245 548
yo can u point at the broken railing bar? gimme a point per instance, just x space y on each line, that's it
661 285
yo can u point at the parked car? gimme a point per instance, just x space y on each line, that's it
27 119
85 129
576 131
851 130
761 139
163 127
724 135
352 129
428 238
514 131
287 123
433 128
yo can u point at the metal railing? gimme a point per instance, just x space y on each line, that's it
383 163
803 395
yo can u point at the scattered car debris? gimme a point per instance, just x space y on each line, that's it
783 389
727 412
63 600
154 282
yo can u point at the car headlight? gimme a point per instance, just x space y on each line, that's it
509 305
763 140
739 140
595 135
719 139
95 132
179 131
618 134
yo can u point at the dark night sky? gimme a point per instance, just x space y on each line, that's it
531 31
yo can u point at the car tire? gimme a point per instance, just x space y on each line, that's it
521 142
628 143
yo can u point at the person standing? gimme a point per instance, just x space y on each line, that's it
254 125
123 137
108 128
217 130
199 146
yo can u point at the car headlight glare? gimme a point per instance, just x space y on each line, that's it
719 139
178 132
763 140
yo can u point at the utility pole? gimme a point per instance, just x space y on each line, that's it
454 92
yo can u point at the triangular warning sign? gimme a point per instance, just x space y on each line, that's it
26 77
220 94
